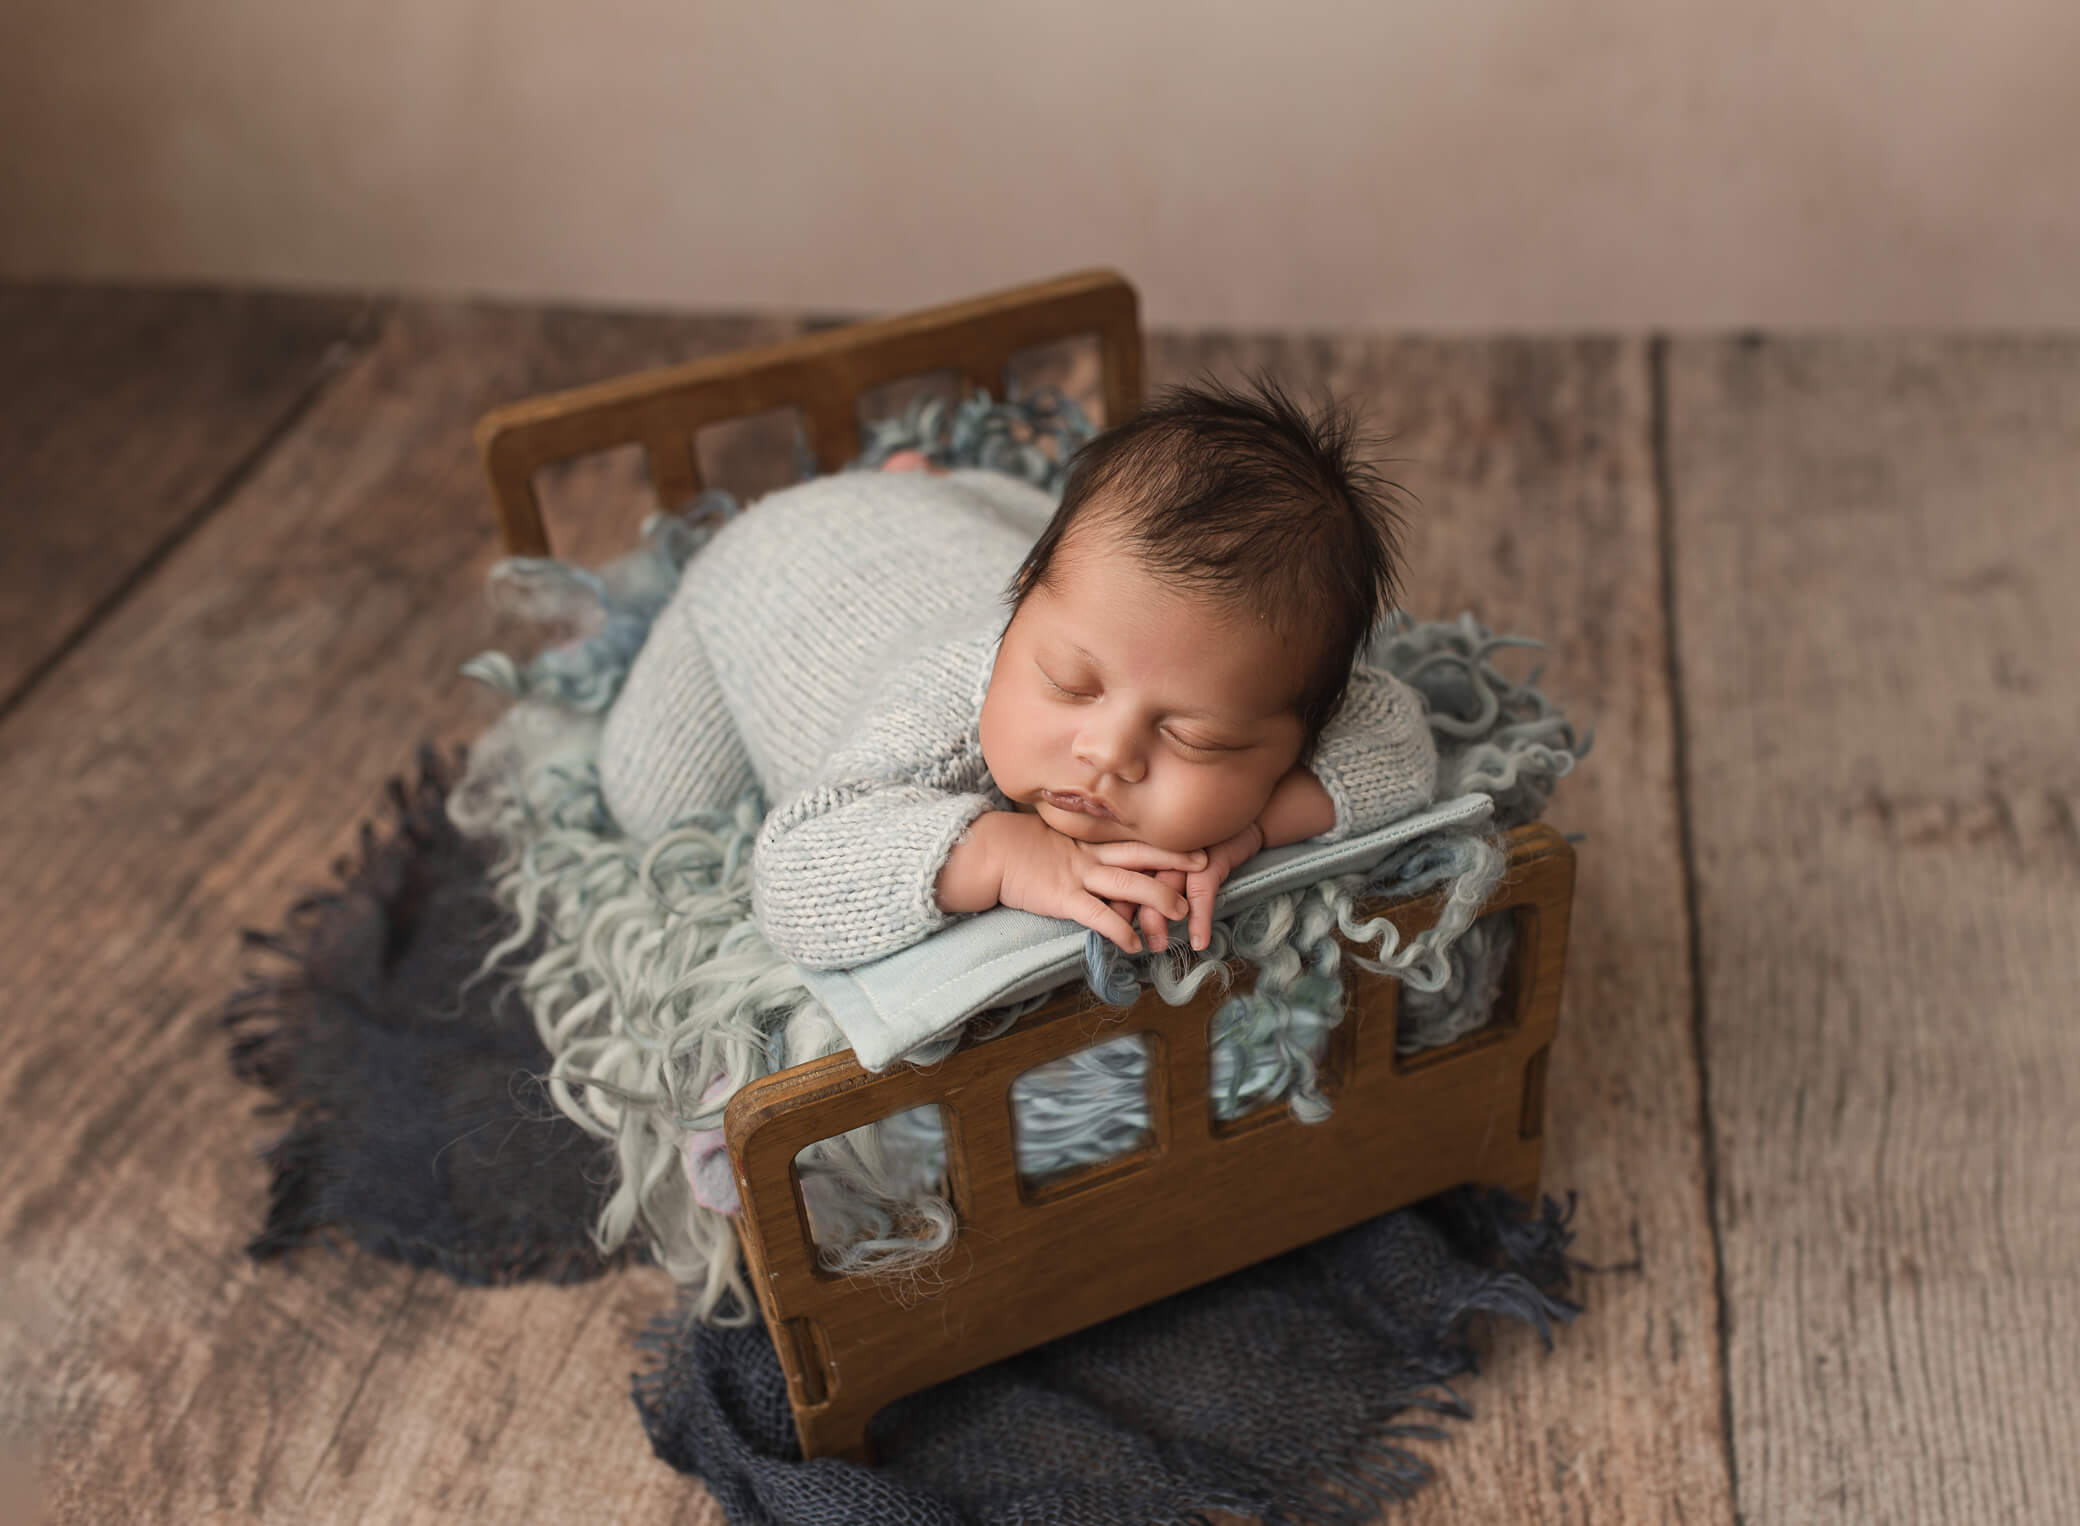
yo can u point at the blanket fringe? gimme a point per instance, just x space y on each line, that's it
291 1028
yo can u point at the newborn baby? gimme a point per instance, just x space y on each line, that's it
1174 691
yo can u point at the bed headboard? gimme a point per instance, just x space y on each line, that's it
823 375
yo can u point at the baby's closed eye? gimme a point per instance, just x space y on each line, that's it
1204 745
1066 692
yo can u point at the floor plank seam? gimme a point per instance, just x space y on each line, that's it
338 359
1664 509
376 1354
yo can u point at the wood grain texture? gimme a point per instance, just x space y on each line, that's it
207 751
121 414
1533 461
1877 549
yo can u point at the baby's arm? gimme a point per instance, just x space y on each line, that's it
844 867
843 872
1299 808
849 873
851 867
1377 760
1011 859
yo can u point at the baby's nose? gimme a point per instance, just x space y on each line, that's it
1113 753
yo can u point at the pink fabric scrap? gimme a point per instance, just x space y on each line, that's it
706 1153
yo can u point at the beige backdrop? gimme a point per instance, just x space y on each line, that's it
1432 163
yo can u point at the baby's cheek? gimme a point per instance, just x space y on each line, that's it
1208 805
1015 748
998 735
1244 794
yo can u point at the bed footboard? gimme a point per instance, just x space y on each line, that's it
1202 1199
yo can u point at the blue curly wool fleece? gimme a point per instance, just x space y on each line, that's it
833 646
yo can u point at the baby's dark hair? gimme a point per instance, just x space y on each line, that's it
1241 493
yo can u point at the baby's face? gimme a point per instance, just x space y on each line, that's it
1121 710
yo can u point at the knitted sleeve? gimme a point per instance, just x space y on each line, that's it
846 870
1376 758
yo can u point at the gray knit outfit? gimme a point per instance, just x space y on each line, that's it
833 646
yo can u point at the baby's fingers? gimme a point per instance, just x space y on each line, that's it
1201 890
1147 917
1143 889
1155 931
1173 879
1106 923
1148 859
1155 928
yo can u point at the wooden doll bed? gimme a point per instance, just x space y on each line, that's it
1203 1197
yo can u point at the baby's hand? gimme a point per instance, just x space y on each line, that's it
1038 869
1200 887
1299 808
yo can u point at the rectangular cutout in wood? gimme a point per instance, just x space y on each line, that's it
1074 367
594 505
755 454
875 1198
1085 1109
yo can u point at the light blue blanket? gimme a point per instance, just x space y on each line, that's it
890 1007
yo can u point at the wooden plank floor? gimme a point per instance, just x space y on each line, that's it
1876 553
128 415
1818 1077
